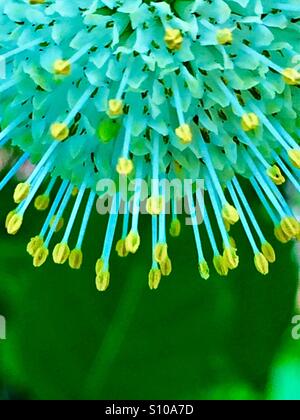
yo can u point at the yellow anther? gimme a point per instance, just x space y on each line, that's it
34 244
99 266
102 281
290 226
155 205
268 252
61 253
154 278
281 236
115 107
294 155
14 223
250 121
132 242
261 263
220 265
232 242
60 223
166 267
75 259
40 256
75 191
175 228
231 257
36 2
161 253
41 203
21 192
62 67
59 131
227 225
291 76
121 248
230 214
9 217
274 173
224 36
204 270
184 133
173 39
125 166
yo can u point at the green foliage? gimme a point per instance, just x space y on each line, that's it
190 339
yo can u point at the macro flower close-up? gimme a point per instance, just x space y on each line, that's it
161 120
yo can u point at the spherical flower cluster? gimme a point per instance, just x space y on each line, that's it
153 90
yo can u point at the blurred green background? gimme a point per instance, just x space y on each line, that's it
227 338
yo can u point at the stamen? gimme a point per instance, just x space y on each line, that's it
79 105
264 201
229 255
9 84
262 58
183 131
110 231
173 39
203 267
239 110
124 81
253 148
262 182
4 134
41 203
36 185
154 278
217 212
289 174
128 130
121 245
260 261
62 67
125 165
175 228
85 219
286 136
243 218
59 214
154 220
269 126
155 202
162 217
80 53
137 196
155 273
248 210
207 224
42 162
212 172
14 170
54 207
279 196
266 248
294 158
224 36
287 7
74 213
19 50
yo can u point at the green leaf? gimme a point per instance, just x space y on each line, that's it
190 339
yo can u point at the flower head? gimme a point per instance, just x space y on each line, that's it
158 90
